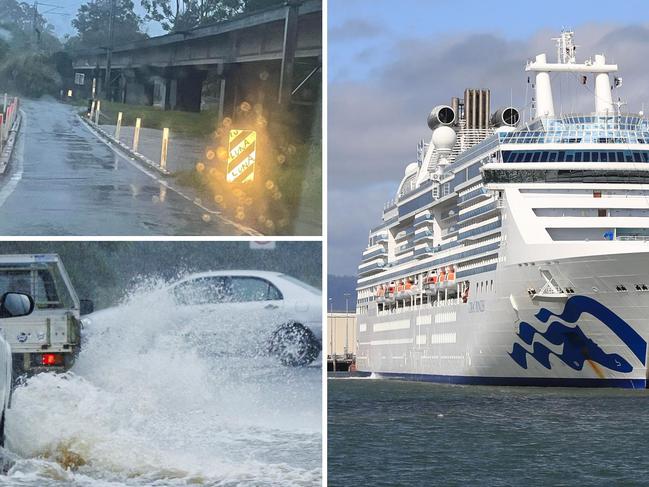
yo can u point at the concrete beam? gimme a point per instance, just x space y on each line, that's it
239 23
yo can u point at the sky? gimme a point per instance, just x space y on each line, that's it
62 17
390 63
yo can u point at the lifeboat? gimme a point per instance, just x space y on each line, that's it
380 294
449 278
430 283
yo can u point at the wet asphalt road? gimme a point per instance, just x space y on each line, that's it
64 181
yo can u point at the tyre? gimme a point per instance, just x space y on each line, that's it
294 345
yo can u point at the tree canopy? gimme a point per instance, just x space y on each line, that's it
92 19
174 15
27 42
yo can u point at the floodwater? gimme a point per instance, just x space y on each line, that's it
64 181
385 433
144 405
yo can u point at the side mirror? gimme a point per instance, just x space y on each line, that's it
87 306
16 304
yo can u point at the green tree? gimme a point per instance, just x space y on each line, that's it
174 15
91 24
30 74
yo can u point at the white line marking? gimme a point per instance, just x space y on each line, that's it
15 168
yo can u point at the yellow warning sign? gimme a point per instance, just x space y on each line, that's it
242 153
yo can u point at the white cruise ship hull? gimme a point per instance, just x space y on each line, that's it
595 336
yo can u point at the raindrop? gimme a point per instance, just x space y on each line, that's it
264 75
281 158
200 167
270 184
206 217
210 154
218 198
245 106
221 153
291 149
227 122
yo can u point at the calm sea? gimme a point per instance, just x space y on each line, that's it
405 433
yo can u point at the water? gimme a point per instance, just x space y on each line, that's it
404 433
144 406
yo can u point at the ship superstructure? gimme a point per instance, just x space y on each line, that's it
516 252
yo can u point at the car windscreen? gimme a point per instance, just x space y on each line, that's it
225 289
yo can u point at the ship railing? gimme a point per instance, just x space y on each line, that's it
633 238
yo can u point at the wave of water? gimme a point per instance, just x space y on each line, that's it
143 405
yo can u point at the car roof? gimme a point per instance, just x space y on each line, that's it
246 273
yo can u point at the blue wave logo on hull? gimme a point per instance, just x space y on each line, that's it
577 346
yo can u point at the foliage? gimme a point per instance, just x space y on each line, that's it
106 271
91 24
26 44
175 15
30 74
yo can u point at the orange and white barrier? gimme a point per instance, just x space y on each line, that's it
7 120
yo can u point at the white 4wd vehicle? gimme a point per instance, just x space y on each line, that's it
48 338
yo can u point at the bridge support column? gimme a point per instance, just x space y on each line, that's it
288 51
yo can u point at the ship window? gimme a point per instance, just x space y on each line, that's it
562 155
601 212
620 157
636 157
528 157
535 157
603 156
544 156
627 156
578 156
520 156
594 156
570 157
552 157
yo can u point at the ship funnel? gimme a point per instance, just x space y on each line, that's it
476 108
505 117
440 116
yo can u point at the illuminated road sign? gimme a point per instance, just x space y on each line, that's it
242 153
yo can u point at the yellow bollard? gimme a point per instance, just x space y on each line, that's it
163 152
97 110
136 134
119 125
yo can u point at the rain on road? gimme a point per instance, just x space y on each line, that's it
64 181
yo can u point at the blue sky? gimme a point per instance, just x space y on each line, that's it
390 62
512 20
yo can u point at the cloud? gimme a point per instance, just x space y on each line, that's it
355 29
374 125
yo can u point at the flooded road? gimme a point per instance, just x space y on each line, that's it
65 181
144 406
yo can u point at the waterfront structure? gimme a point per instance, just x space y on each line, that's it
516 252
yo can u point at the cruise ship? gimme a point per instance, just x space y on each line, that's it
516 252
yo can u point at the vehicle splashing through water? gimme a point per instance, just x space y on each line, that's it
146 405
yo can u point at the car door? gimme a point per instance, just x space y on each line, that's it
228 313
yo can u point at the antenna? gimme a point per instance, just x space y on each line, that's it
566 47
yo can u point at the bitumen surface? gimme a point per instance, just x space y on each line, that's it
63 180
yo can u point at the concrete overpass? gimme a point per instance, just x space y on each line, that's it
271 57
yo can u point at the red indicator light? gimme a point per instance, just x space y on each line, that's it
52 359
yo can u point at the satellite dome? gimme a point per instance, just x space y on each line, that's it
444 138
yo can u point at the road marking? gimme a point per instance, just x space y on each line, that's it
218 214
15 169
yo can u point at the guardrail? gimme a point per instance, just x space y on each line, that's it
10 107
